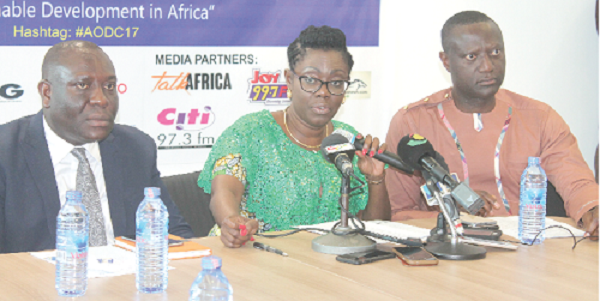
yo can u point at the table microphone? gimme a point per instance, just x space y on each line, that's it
418 153
386 157
336 149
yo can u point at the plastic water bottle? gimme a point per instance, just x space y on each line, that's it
211 284
152 235
532 208
72 244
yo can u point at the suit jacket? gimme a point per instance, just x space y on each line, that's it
29 200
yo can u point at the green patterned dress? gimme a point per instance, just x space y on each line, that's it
282 180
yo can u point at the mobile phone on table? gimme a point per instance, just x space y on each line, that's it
365 257
415 256
490 225
172 242
486 234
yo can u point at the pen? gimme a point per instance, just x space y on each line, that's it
264 247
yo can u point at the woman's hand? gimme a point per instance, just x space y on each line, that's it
236 230
378 206
372 168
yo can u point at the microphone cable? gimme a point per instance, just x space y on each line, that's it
359 227
529 244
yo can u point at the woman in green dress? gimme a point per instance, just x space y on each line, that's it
265 172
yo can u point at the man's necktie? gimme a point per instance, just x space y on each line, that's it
86 184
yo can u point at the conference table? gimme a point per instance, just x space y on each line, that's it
549 271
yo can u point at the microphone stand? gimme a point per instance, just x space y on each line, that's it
448 246
343 239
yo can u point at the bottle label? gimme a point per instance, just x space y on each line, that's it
166 231
534 196
146 235
534 207
76 247
143 233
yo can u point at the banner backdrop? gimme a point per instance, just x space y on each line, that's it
183 23
186 70
189 69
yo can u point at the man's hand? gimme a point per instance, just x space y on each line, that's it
490 203
590 223
236 230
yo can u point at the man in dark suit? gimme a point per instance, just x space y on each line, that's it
38 163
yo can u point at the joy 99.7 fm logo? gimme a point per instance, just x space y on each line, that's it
268 88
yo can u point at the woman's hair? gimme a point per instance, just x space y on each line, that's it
325 38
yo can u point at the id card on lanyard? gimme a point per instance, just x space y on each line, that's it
496 154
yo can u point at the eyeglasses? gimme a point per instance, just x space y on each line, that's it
311 84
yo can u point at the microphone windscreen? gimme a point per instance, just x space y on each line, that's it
412 148
333 139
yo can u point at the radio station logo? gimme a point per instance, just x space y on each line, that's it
268 88
191 81
183 128
360 85
192 120
10 92
339 148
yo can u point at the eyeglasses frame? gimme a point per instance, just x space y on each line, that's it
322 83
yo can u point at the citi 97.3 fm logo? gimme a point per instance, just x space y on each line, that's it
187 125
10 92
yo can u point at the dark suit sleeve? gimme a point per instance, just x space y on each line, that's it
177 225
2 212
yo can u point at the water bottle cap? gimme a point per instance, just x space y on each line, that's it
211 262
533 160
152 192
73 195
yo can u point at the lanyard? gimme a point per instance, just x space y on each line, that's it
496 154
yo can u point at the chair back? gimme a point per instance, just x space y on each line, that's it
192 201
555 206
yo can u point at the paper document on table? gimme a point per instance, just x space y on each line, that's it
99 261
510 226
188 249
393 229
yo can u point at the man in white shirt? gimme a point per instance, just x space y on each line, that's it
73 144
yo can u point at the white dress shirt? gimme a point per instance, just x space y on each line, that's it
65 172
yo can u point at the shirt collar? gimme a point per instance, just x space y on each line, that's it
60 149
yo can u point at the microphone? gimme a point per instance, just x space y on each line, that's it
418 153
336 149
386 157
